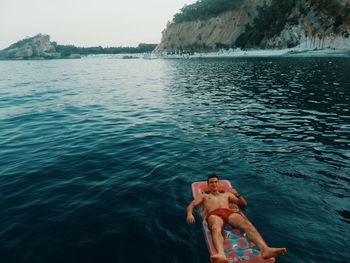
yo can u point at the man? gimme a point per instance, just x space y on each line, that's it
219 214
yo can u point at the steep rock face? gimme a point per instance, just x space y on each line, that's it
38 46
316 28
308 23
298 36
216 32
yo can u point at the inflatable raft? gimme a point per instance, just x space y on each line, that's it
238 248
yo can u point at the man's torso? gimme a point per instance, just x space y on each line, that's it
212 202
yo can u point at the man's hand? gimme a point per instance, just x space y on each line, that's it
239 198
190 219
197 201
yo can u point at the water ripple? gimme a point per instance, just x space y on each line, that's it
98 154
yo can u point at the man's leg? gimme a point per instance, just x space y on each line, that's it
215 224
240 221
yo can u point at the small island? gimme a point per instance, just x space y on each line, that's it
40 47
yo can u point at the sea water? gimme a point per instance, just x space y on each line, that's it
97 155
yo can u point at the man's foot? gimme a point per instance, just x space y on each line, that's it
270 252
218 259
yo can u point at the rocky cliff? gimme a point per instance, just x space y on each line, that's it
264 24
37 47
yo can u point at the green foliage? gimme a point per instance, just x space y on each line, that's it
270 22
338 21
271 19
67 50
332 9
143 47
204 9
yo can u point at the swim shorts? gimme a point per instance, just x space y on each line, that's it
223 213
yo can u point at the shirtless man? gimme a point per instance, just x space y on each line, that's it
219 213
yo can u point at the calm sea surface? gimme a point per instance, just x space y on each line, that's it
97 155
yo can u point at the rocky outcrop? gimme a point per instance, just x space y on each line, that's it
297 36
309 23
316 27
206 35
37 47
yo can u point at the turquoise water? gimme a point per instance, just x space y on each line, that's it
98 155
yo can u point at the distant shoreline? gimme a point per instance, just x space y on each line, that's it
238 53
231 53
39 47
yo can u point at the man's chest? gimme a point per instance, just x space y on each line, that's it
219 199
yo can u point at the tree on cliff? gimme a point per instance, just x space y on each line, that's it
67 50
204 9
270 21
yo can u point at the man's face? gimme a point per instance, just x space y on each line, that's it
213 183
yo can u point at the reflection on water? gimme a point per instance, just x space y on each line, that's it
98 155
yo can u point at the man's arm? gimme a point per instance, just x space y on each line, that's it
236 198
190 218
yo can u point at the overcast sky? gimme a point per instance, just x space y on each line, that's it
87 22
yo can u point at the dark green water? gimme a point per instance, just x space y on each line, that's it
97 155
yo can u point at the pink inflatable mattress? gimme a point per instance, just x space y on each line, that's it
238 248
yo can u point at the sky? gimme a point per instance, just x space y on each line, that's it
84 23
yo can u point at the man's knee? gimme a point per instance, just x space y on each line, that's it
216 228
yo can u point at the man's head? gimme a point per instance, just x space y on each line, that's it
212 176
213 182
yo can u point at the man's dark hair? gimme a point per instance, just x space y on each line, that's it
212 176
